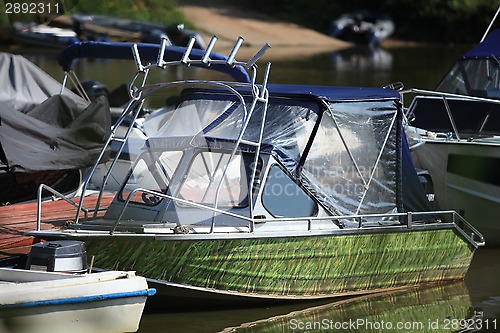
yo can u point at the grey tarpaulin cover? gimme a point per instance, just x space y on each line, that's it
40 129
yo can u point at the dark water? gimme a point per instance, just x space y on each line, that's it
473 304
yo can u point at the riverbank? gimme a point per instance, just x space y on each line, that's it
229 22
286 39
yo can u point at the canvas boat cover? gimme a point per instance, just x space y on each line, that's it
488 48
351 158
42 130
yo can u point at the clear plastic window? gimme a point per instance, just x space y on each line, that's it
151 174
207 183
282 197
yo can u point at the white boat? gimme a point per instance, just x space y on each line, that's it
454 133
37 299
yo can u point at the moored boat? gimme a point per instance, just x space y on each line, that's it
362 27
52 291
145 32
46 136
455 136
255 193
42 35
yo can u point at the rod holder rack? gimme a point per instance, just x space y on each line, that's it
205 59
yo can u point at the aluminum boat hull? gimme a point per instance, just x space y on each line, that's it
224 269
465 179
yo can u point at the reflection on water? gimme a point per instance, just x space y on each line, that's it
361 59
420 67
440 308
483 284
453 307
416 310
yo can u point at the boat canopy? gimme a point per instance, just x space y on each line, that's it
342 144
488 48
148 52
42 130
477 73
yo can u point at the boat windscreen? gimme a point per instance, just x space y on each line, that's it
473 77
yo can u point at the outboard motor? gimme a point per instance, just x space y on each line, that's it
64 256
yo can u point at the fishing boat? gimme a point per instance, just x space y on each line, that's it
362 27
252 193
51 290
455 136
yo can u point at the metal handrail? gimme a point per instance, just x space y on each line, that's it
474 237
408 111
473 231
57 194
444 94
169 197
136 95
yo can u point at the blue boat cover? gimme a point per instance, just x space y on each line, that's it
488 48
333 93
147 52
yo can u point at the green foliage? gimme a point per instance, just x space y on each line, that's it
454 21
157 11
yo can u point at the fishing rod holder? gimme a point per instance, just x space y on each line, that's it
204 60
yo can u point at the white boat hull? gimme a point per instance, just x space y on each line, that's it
464 179
100 302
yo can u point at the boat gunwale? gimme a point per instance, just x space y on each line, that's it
93 232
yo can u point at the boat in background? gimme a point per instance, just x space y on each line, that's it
42 35
253 193
51 290
362 27
454 132
47 136
145 32
60 31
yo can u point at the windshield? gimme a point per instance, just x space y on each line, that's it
216 177
152 171
473 77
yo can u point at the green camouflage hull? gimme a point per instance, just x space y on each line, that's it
291 266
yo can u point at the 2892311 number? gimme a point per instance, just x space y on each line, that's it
31 8
469 324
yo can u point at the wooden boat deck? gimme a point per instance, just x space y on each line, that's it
19 218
